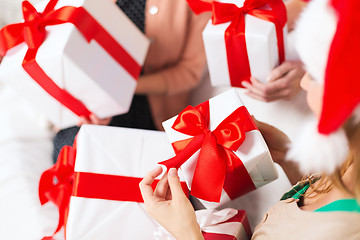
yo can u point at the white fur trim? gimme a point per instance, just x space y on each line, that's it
317 153
313 37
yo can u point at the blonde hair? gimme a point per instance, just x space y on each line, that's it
327 182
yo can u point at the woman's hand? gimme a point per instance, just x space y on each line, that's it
94 120
277 141
169 206
283 83
278 144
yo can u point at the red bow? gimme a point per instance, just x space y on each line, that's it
33 32
56 183
217 157
235 34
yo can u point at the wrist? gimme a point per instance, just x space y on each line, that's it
193 233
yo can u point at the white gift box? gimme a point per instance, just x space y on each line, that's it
253 152
261 43
83 68
121 152
227 223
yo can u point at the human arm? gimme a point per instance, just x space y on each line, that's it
169 206
283 83
176 58
278 144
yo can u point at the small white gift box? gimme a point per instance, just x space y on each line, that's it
261 47
228 223
252 167
97 76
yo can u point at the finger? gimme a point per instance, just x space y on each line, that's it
283 94
56 129
98 121
79 123
162 187
168 195
94 119
83 120
267 90
280 71
273 87
260 97
145 184
256 84
246 85
255 89
175 185
256 96
106 121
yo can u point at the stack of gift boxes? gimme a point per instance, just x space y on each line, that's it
69 59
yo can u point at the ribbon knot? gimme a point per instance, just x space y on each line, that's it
34 31
217 147
243 10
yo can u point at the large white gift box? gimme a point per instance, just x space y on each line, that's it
261 46
226 224
110 162
114 151
253 166
83 68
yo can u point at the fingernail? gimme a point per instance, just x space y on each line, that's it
172 172
245 84
268 78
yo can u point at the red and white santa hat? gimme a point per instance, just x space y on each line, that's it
328 43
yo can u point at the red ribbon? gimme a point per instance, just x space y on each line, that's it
237 57
56 184
217 166
60 182
33 33
111 187
240 217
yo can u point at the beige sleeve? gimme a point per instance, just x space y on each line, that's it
185 75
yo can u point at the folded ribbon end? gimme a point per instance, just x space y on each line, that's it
170 163
29 11
45 184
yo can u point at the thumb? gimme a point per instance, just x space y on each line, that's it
174 183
